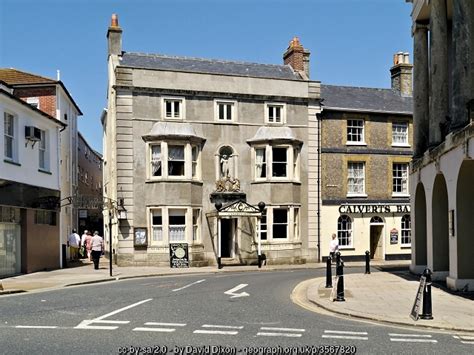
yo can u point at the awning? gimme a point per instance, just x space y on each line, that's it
279 134
172 130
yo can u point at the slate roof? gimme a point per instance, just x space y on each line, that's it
208 66
347 98
274 133
16 77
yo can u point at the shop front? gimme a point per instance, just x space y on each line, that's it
382 229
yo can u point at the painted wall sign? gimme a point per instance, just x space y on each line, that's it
179 255
394 236
379 209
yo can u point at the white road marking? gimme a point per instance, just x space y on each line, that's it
36 326
232 291
86 324
412 338
222 326
162 330
410 335
345 337
194 283
223 332
344 332
167 324
289 335
463 337
283 329
467 342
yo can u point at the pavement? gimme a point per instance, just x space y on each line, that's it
386 295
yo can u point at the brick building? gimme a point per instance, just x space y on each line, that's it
366 147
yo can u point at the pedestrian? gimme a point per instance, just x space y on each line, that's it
83 242
74 241
333 246
97 246
88 245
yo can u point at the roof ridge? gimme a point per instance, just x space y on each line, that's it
357 87
29 73
206 59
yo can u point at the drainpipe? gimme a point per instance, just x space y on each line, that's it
318 185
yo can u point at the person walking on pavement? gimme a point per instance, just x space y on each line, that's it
87 245
83 241
97 246
333 247
74 241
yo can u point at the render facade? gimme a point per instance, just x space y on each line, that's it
29 187
443 169
52 97
191 146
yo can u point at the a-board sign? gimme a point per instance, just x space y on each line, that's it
415 311
179 255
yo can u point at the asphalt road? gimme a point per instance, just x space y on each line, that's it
232 313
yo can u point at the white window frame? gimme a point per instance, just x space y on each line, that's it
405 232
351 175
182 108
400 178
189 163
296 223
157 226
171 212
281 106
351 127
12 137
287 224
196 225
345 234
292 166
233 111
33 101
181 161
43 150
397 132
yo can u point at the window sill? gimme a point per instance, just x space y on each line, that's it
224 122
356 143
276 181
172 118
12 162
401 145
356 195
45 171
349 248
400 195
405 246
178 180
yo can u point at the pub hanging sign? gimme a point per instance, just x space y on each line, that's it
376 208
394 236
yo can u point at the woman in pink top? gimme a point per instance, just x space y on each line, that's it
88 244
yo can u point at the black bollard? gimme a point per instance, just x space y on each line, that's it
259 260
367 262
340 278
219 263
328 273
427 309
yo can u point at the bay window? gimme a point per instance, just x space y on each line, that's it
168 160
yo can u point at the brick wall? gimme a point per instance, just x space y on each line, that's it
46 96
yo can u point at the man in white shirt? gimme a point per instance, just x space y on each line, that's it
74 241
333 246
97 247
83 240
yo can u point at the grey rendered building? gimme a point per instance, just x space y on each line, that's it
191 146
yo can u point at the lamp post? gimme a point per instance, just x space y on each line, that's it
110 241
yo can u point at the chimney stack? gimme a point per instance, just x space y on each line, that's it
402 74
297 57
114 36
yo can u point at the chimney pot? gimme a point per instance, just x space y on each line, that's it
114 21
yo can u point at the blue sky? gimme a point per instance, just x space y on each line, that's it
352 42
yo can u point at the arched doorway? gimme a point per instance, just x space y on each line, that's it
465 220
420 226
440 225
376 238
